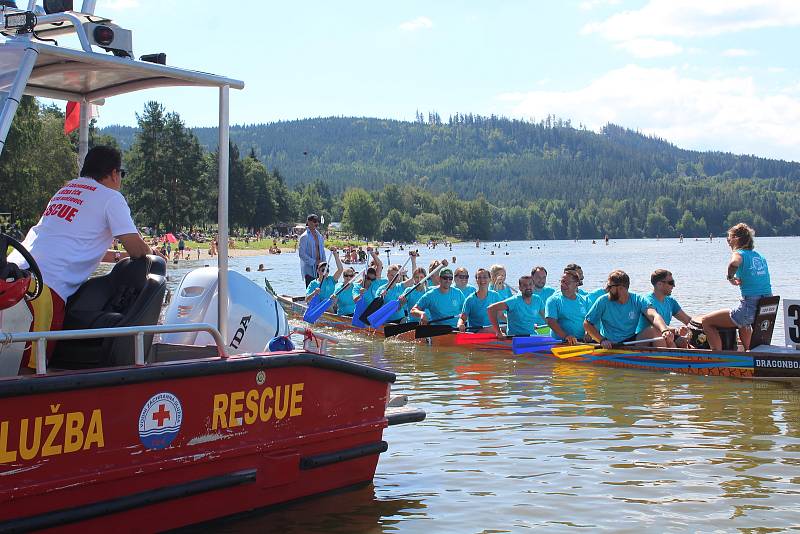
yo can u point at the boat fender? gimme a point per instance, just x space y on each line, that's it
280 344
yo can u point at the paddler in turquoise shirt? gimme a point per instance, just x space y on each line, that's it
368 288
566 310
589 296
524 311
667 307
324 284
413 297
397 284
747 269
440 302
474 312
613 318
344 301
461 279
539 275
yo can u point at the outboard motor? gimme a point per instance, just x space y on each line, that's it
254 316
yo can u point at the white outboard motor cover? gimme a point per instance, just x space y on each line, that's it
254 316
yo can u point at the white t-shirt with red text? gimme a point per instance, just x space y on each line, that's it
77 227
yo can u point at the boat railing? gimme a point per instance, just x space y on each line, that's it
314 341
121 331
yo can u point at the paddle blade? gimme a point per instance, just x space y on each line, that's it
383 314
361 305
391 330
374 306
433 330
528 349
533 341
312 314
573 351
469 339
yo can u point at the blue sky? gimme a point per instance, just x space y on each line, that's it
704 74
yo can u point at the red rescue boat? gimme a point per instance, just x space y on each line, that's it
126 434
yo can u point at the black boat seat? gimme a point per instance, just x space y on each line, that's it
130 295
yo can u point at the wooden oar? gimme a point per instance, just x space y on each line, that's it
378 301
391 330
383 314
581 350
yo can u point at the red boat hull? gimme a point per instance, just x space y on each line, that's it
158 447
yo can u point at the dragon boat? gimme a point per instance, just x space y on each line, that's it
140 426
762 361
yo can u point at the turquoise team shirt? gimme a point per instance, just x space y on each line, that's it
569 313
617 322
504 293
754 274
437 305
523 318
328 287
544 293
475 308
411 300
344 300
467 290
593 296
371 292
666 310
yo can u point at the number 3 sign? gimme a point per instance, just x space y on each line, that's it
791 322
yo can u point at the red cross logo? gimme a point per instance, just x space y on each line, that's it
161 415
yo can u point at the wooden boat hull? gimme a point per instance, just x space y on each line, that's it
158 447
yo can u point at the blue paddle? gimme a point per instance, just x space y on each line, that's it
315 300
527 344
377 302
313 313
378 318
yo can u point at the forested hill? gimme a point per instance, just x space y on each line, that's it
507 160
516 163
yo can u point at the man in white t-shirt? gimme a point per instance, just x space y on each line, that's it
73 236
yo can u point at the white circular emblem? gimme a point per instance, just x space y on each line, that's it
261 377
160 420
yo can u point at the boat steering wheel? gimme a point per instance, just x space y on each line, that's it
10 270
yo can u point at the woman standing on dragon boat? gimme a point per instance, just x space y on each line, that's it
747 269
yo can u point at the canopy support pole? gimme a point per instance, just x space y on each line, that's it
83 133
15 93
222 214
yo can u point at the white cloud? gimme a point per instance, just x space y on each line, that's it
738 52
727 113
690 18
419 23
648 48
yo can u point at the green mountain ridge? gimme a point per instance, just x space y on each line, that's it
515 163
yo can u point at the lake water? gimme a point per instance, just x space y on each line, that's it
511 444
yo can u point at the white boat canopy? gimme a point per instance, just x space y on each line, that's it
86 76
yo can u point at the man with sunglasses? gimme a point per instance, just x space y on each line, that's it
566 311
589 296
667 307
443 304
75 233
461 278
311 249
614 317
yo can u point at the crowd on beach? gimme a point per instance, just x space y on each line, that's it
442 294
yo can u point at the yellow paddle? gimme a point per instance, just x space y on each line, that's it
581 350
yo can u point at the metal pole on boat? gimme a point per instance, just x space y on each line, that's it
222 215
88 7
15 93
83 133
